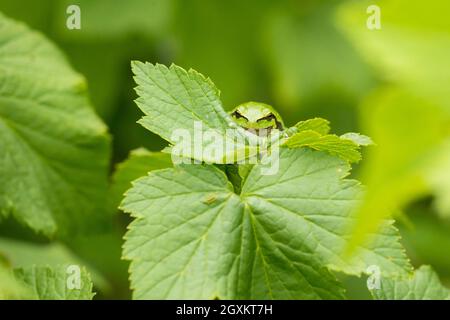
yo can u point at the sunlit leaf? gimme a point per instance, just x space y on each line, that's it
343 148
321 126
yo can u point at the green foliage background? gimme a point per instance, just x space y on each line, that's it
306 58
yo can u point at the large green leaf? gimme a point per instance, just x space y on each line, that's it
54 150
193 237
423 285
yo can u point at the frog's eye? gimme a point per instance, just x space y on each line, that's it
271 116
237 115
268 118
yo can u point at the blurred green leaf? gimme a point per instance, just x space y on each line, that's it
10 288
23 254
54 154
396 170
412 47
409 119
423 285
53 283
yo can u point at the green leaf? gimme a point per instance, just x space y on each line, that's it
408 162
54 150
139 163
10 288
177 102
45 283
187 94
343 148
20 254
357 138
56 283
319 125
424 284
194 238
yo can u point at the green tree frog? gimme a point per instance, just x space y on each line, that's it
255 116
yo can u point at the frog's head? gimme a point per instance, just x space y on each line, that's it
255 116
